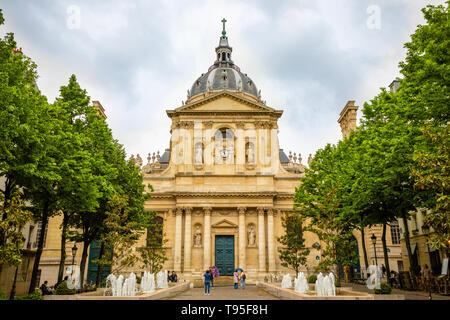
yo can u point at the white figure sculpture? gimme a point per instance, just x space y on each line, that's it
197 237
198 154
251 235
286 282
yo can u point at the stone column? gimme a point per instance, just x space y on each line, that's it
207 239
261 241
242 244
177 246
187 240
270 241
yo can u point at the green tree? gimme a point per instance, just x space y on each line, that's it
294 253
433 174
11 228
153 254
317 200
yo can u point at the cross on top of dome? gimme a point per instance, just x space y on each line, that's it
224 33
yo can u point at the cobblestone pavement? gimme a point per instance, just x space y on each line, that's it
251 292
409 295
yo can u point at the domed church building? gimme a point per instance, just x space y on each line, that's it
223 184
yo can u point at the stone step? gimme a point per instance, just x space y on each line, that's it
222 281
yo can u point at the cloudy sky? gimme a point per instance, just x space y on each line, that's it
138 58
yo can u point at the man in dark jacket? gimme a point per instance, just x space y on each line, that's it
45 290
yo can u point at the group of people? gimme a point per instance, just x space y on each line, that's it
172 277
238 276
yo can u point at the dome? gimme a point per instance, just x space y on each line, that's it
224 78
223 74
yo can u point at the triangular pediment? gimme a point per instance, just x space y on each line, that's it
224 224
225 101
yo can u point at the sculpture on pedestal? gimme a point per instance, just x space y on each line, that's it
251 235
197 237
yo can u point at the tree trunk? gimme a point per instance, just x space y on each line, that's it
13 289
408 246
63 256
37 259
100 266
86 244
386 257
6 200
363 244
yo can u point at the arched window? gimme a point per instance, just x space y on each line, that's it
224 146
224 56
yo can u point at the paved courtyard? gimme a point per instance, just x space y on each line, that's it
251 292
409 295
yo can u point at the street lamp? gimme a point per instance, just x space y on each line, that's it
74 253
374 241
426 233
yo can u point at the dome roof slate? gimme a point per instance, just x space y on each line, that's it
224 74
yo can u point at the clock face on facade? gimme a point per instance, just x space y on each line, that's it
224 153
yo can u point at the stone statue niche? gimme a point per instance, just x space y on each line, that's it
198 236
198 155
249 153
251 235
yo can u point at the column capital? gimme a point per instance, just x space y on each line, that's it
270 211
241 210
178 211
208 124
188 210
260 210
240 124
207 210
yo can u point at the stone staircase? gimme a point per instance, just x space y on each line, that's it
222 281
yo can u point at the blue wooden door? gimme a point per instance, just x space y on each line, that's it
225 255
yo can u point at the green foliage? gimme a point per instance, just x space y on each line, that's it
36 295
385 288
62 289
15 218
337 283
2 294
312 278
433 173
138 279
294 253
153 255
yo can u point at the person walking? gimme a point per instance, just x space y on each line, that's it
236 279
212 277
243 277
207 277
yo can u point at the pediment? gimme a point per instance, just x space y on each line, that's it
225 101
224 224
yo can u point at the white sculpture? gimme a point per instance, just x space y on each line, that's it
301 284
287 281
